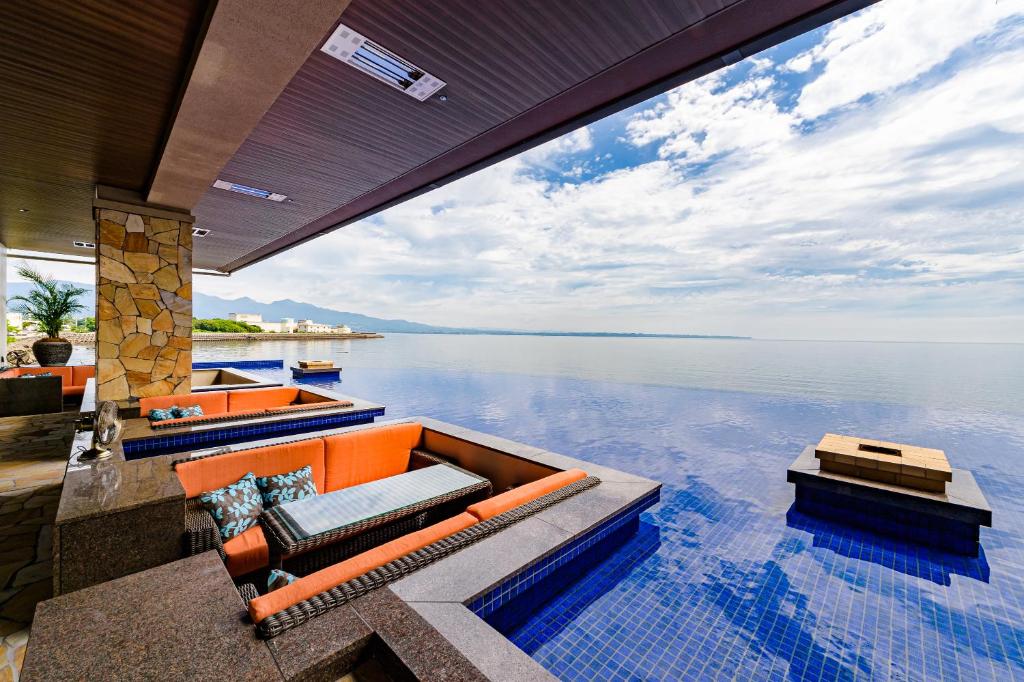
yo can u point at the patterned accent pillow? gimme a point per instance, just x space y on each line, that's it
159 415
194 411
282 488
278 579
236 508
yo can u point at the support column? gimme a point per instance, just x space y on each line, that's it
143 303
3 303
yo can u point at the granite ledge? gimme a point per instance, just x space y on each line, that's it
114 486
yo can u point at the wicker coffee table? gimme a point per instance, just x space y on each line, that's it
307 524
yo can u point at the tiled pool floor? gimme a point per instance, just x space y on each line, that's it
722 580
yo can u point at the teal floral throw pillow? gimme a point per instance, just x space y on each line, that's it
278 579
160 415
283 488
193 411
236 508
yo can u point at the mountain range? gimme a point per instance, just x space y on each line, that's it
207 306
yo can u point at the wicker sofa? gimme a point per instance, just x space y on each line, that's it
328 588
337 462
227 405
72 378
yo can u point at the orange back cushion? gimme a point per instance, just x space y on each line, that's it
260 398
210 473
63 372
370 454
524 493
212 402
79 373
332 576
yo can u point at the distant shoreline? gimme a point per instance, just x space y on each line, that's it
88 338
270 336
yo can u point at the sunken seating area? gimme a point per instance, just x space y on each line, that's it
72 378
217 406
337 462
352 557
326 589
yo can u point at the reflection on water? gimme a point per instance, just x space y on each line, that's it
731 590
914 560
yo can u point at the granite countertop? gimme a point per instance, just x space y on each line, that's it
183 620
114 485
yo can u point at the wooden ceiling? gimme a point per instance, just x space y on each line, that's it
336 134
338 143
87 90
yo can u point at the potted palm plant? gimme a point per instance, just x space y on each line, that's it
50 303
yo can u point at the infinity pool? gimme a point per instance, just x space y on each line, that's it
723 580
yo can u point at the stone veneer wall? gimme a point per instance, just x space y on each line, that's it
33 457
143 306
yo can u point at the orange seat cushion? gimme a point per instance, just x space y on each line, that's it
73 390
247 552
260 398
212 402
524 493
79 373
202 475
369 454
332 576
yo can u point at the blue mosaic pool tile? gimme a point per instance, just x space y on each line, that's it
162 445
240 364
512 588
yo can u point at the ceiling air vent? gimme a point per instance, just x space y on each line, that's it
85 245
200 232
251 191
356 50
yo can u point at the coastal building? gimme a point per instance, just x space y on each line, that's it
285 326
15 320
288 325
311 327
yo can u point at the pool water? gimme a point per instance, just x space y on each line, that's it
723 580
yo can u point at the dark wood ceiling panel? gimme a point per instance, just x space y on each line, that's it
89 87
336 134
86 92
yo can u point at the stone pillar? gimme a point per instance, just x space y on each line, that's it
143 305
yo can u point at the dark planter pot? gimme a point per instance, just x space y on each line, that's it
52 352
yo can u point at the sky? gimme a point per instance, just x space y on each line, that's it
863 181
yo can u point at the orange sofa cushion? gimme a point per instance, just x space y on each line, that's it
247 552
369 454
73 390
260 398
63 372
524 493
202 475
79 373
311 406
212 402
332 576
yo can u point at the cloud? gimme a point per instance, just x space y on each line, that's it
741 207
708 118
889 45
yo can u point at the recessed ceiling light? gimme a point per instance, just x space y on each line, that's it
251 191
85 245
200 232
22 210
357 50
